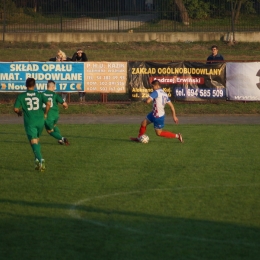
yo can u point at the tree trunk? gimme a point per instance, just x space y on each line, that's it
237 10
183 11
35 6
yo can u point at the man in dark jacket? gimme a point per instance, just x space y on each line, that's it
215 56
80 56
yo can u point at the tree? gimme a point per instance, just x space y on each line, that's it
236 6
167 7
9 5
183 12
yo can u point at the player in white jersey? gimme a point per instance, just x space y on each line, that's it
157 115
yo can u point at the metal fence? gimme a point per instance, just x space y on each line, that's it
129 15
89 98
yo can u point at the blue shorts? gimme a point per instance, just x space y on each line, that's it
158 122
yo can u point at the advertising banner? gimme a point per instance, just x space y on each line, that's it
69 76
141 74
243 81
105 77
181 80
200 81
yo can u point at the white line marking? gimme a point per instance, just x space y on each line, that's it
73 213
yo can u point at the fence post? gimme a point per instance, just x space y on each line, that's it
175 22
61 1
103 97
232 21
4 23
118 13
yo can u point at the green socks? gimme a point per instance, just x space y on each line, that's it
37 151
56 133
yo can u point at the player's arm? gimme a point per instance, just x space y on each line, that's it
65 105
46 101
18 111
175 119
61 101
152 96
47 108
148 100
17 106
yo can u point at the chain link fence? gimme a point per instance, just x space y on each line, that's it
89 98
129 15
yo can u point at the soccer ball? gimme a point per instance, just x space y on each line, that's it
144 139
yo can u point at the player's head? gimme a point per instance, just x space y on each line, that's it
30 83
156 84
51 85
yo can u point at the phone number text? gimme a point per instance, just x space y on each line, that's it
200 93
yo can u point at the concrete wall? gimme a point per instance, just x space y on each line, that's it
131 36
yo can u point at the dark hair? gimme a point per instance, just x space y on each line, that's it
51 81
30 82
155 82
214 46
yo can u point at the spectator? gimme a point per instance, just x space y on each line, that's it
215 56
80 56
61 56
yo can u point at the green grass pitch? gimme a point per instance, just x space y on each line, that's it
105 197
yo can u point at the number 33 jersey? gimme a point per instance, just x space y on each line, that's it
31 103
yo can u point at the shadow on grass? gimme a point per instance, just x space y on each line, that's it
87 232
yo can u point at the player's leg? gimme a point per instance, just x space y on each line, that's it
168 134
62 139
148 120
158 127
42 161
33 137
33 134
36 147
53 130
142 128
57 133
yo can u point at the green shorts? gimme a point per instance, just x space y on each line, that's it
50 123
33 132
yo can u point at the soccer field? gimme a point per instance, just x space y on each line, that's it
105 197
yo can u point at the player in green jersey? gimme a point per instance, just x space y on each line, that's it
53 115
31 103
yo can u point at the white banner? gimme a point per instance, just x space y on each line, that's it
243 81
